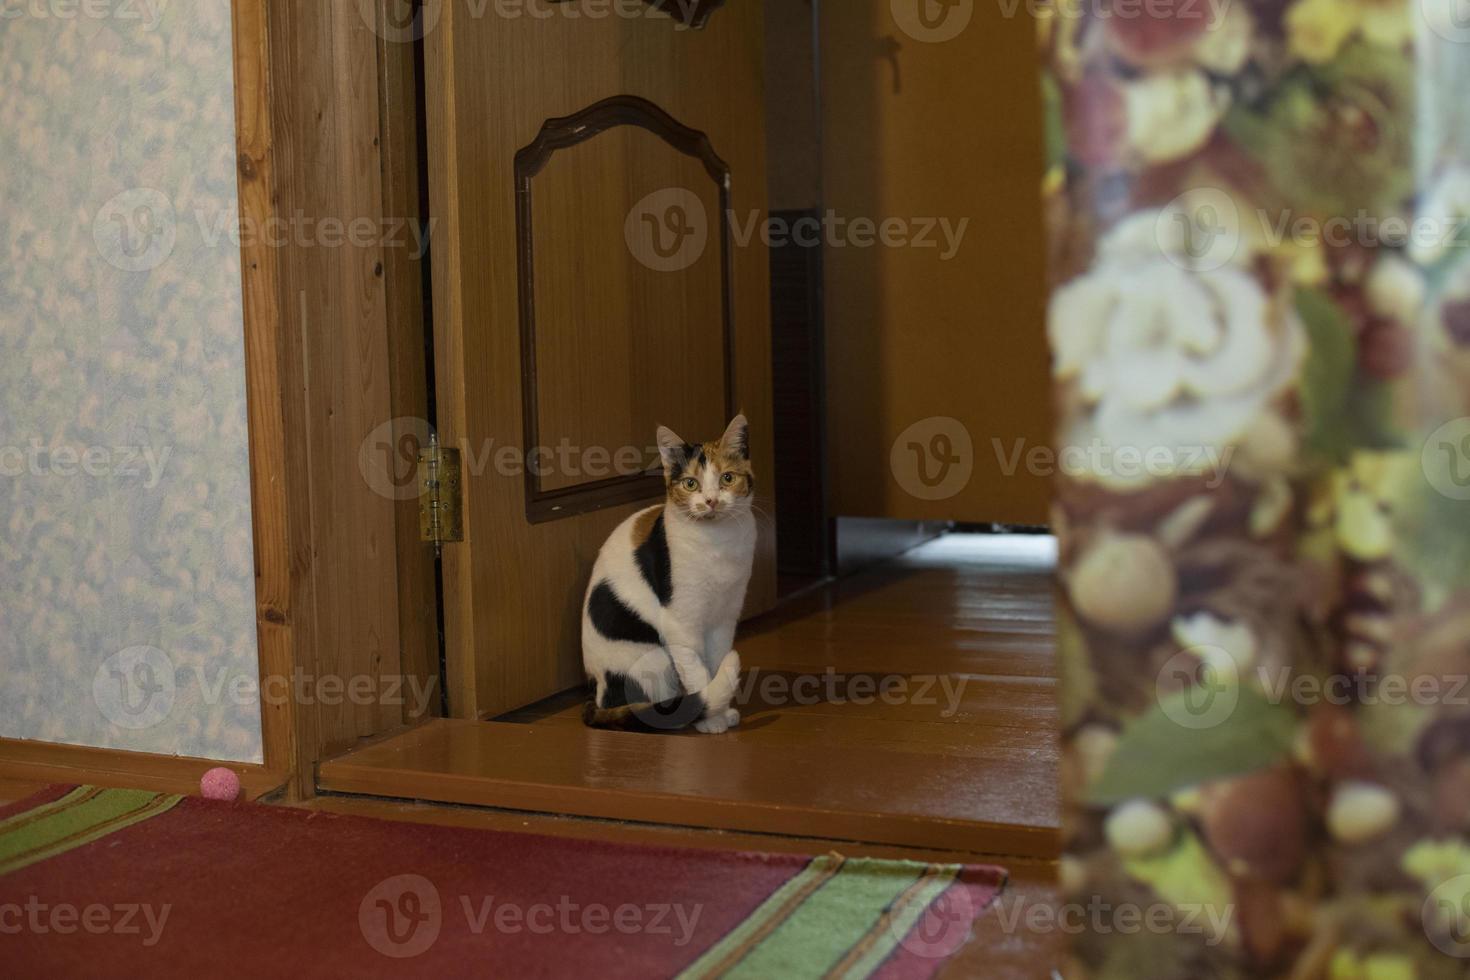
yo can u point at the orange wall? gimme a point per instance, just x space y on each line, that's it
949 129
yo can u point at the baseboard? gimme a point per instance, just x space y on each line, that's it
864 541
49 762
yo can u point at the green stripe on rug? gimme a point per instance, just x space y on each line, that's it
814 922
772 912
82 816
896 922
78 795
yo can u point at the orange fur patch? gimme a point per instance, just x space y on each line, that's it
643 526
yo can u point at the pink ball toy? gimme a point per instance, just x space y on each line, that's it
220 784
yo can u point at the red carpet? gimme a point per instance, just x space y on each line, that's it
127 883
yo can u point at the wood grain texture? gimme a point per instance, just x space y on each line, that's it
38 764
513 593
914 130
923 736
279 514
326 120
611 349
620 348
776 789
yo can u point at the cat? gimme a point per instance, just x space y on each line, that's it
659 617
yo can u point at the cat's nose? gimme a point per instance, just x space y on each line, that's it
713 502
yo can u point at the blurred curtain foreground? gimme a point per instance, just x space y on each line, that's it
1260 322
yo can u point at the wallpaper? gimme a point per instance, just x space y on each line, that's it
126 573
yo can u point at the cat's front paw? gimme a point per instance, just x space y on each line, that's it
732 717
716 725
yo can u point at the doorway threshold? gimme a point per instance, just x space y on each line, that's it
673 780
928 721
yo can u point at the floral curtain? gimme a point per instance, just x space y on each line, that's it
1260 322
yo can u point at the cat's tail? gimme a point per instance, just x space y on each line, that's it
677 712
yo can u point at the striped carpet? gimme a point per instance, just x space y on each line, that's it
104 882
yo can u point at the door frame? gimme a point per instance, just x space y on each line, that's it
316 82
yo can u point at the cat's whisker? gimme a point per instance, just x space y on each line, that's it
760 513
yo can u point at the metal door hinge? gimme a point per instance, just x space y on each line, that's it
441 502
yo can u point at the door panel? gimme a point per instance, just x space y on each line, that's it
626 268
588 286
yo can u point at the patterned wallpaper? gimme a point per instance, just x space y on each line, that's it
126 576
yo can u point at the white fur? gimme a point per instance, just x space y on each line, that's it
711 551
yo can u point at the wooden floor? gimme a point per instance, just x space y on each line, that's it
959 754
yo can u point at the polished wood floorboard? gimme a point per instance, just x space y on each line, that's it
959 755
46 763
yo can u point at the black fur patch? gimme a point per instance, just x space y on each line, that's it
621 691
613 619
679 457
679 711
653 562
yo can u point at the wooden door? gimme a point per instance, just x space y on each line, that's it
594 167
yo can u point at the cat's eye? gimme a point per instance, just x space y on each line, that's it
691 484
728 479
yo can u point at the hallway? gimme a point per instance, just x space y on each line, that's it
912 704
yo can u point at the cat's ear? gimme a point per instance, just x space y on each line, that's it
736 440
670 448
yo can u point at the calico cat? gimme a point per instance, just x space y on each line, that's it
659 617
